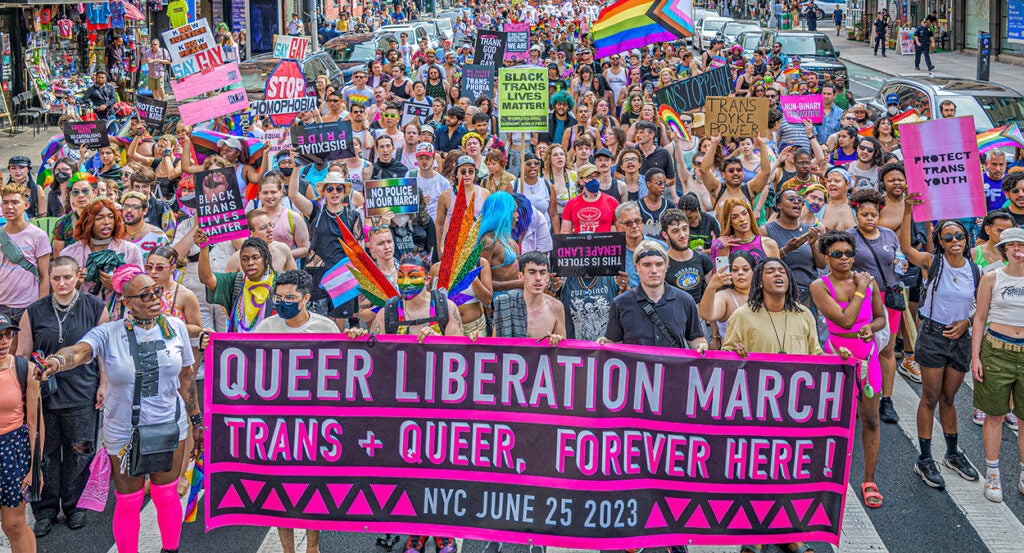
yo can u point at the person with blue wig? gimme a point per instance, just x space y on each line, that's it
497 219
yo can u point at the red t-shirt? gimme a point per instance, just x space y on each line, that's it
597 216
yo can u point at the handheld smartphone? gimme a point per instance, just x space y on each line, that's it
721 264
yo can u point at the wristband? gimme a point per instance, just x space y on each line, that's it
196 420
859 294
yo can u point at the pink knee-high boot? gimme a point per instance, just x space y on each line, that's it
126 520
168 513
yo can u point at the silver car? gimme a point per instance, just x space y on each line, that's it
991 104
709 27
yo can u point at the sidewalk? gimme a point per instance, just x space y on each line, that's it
947 64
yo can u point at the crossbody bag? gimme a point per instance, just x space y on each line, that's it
893 295
151 446
658 324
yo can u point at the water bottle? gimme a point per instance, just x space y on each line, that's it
901 263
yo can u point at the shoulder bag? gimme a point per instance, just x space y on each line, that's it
151 446
893 295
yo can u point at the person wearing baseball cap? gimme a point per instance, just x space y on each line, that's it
19 169
429 182
892 104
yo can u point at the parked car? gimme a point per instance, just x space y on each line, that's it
732 29
416 30
444 27
708 29
256 69
991 104
749 41
814 48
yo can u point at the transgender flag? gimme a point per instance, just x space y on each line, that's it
340 283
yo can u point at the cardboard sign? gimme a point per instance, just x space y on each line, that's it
412 111
698 449
221 211
523 97
188 40
736 117
490 49
290 47
198 84
588 254
942 165
151 112
276 139
202 63
220 105
325 141
477 81
391 196
689 94
799 107
91 134
517 41
284 95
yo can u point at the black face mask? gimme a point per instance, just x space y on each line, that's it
286 171
62 177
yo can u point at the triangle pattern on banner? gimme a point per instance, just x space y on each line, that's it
359 505
339 492
820 517
720 507
382 492
676 506
252 488
781 520
698 520
740 521
316 505
294 491
231 499
761 508
800 506
655 519
404 507
273 502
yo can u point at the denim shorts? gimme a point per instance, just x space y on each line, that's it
1003 376
936 351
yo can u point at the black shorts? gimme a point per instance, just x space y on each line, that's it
936 351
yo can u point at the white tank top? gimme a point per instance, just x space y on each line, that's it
951 300
1007 300
538 193
616 81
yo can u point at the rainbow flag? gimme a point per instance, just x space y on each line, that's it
625 25
791 72
1005 136
195 476
340 283
673 15
674 122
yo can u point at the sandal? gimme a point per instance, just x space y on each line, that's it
870 492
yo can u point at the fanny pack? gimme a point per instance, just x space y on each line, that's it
151 446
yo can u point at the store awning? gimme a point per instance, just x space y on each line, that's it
132 12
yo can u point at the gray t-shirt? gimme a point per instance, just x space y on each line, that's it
864 178
800 260
885 247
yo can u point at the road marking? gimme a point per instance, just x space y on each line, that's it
149 531
995 523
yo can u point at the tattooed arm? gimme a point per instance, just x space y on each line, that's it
454 327
190 394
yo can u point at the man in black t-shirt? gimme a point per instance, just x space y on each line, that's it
654 155
687 269
703 227
924 41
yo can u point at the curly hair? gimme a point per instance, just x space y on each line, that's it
264 250
84 226
832 237
563 97
867 196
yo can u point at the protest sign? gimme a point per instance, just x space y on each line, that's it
201 63
736 117
517 41
200 83
413 111
326 141
91 134
943 166
221 211
290 47
220 105
589 254
807 106
477 81
490 48
689 94
579 446
188 40
284 95
523 94
390 196
276 139
151 112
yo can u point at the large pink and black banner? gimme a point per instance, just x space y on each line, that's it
579 445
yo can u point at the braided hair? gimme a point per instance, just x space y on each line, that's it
259 245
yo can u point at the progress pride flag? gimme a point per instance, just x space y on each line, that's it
501 439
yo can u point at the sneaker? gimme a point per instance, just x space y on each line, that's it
635 550
445 545
887 412
960 464
415 544
492 547
909 368
929 473
978 417
538 549
993 489
677 549
1010 420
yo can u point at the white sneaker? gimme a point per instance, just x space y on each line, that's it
993 489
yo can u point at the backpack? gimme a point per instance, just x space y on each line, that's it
935 270
437 298
21 371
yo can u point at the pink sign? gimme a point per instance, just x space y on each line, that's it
218 106
199 84
517 41
942 164
806 106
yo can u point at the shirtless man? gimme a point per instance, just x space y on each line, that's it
731 185
260 226
544 315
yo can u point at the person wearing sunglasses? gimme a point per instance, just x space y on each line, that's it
81 192
100 247
944 338
865 168
1013 187
173 398
853 309
136 230
591 210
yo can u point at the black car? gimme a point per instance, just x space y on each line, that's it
256 69
814 49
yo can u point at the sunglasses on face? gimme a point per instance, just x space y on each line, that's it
329 189
951 237
156 268
867 149
841 254
7 334
1016 191
85 192
149 295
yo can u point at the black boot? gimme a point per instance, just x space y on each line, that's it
887 412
